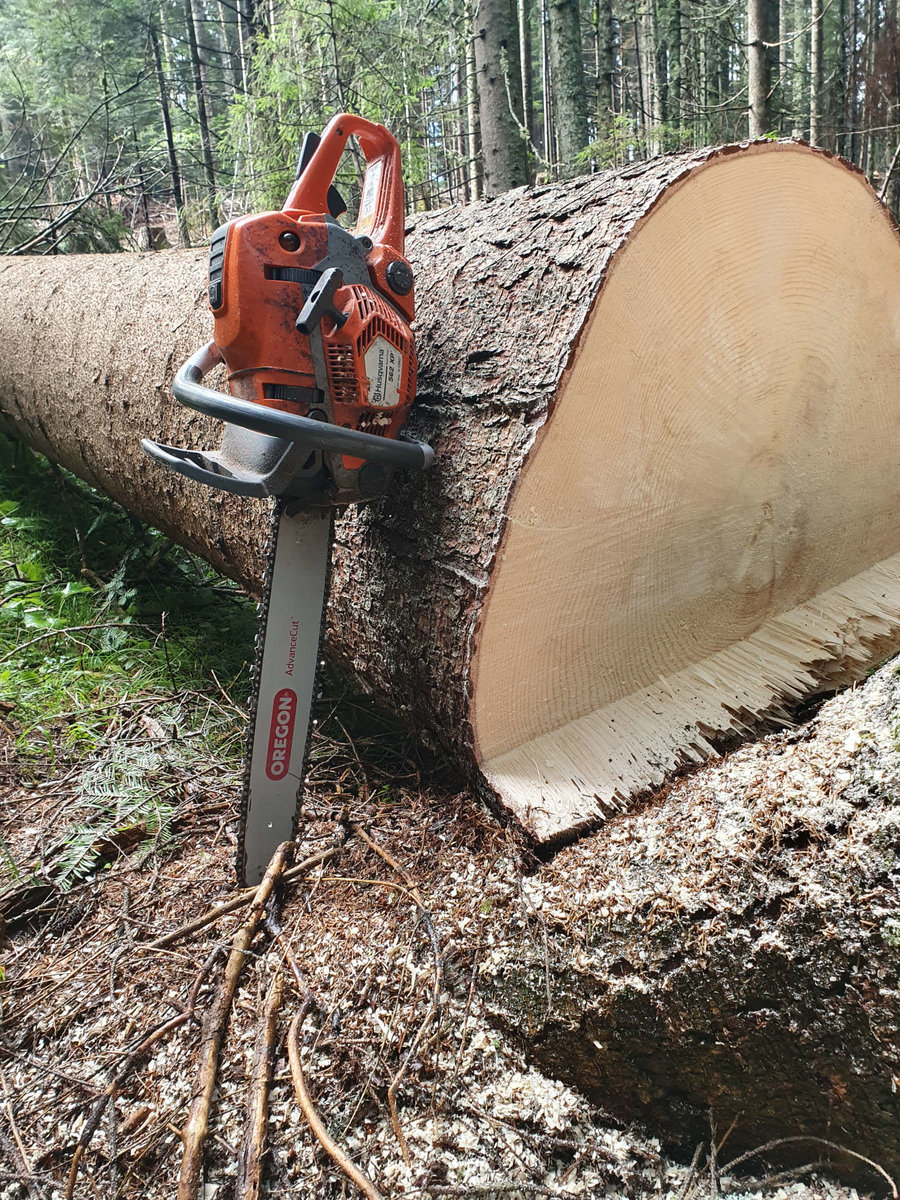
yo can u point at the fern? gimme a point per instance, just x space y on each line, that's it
123 792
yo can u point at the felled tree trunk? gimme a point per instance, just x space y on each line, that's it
664 405
727 957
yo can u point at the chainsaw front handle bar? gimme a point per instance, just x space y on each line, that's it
302 431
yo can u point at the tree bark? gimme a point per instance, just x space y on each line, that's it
473 161
523 10
651 522
757 73
605 65
567 83
499 76
817 50
729 953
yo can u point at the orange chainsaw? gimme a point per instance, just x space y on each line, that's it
312 322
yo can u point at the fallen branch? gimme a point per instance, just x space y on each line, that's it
92 1124
815 1141
424 913
245 897
687 1187
16 1149
350 1169
194 1135
398 1079
249 1168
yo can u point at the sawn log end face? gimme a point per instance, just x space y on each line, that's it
706 526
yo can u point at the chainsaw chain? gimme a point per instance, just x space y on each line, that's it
262 620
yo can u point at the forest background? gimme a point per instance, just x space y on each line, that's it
128 123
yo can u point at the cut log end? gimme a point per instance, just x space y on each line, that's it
707 527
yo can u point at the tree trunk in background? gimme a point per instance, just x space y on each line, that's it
499 75
604 64
200 25
782 65
870 105
643 94
817 43
724 73
841 84
230 61
567 82
757 74
660 57
524 14
675 36
651 91
449 594
800 50
184 233
472 131
202 115
461 149
546 104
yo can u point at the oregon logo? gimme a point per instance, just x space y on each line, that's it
281 734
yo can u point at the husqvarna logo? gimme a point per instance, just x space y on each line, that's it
281 733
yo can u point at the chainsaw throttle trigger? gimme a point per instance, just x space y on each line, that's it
321 302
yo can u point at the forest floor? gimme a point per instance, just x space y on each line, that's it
119 771
401 1060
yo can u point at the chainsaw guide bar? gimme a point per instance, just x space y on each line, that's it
284 682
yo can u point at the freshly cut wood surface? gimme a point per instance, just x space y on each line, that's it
712 511
664 402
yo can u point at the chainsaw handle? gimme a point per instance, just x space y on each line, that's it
302 431
381 209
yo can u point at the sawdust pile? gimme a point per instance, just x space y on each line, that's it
409 1043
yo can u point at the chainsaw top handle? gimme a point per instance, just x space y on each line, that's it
381 208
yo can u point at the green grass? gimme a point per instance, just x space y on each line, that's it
122 657
97 610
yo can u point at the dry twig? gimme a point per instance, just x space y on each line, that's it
17 1148
245 897
329 1145
692 1173
92 1124
214 1023
714 1185
815 1141
249 1168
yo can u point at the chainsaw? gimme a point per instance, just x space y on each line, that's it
312 322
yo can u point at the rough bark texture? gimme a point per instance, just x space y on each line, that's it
733 948
89 347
